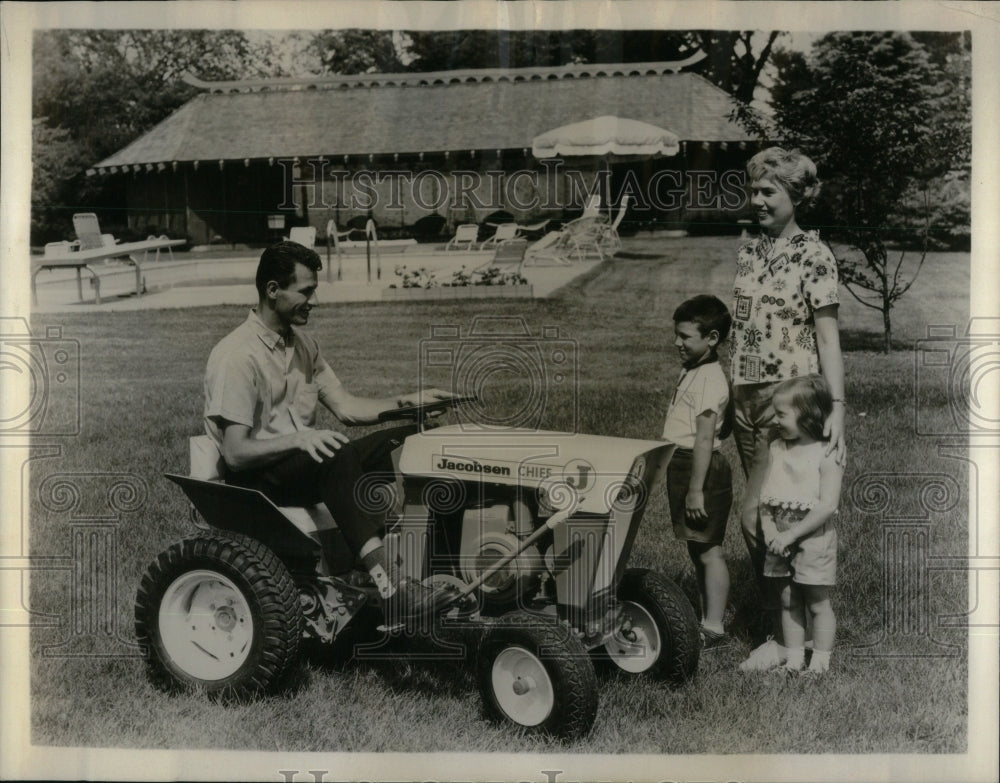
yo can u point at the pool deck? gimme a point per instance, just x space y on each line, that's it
195 279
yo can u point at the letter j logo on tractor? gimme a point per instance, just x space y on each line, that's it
579 474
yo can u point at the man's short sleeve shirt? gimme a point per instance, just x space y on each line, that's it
779 285
256 378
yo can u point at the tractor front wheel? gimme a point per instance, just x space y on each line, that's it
535 674
657 630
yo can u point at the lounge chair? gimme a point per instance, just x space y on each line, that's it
585 235
466 234
533 228
609 241
557 248
505 233
509 253
592 207
88 232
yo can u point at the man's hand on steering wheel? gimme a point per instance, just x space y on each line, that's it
423 397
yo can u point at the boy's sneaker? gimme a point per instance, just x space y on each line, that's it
711 640
767 656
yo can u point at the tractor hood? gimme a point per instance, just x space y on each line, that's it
594 466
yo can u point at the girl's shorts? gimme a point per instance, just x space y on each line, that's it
813 559
718 491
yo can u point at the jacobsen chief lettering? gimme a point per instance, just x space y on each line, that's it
473 467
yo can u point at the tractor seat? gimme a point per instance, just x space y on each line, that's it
207 465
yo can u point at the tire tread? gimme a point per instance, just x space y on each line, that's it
270 585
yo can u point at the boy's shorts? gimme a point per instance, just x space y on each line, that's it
718 491
813 559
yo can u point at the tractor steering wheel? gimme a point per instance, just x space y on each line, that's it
419 413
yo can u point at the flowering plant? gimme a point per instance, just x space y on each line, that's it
421 278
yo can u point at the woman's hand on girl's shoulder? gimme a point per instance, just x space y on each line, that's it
834 430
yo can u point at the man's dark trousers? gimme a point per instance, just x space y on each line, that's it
338 481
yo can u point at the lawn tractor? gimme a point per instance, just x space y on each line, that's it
528 532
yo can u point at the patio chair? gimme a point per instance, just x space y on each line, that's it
592 207
304 235
534 228
557 248
508 253
466 234
609 241
586 235
88 232
505 233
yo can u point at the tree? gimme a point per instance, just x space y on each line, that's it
879 115
94 91
731 62
56 160
356 51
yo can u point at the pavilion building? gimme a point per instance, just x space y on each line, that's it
243 160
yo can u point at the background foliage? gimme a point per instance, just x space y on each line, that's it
887 116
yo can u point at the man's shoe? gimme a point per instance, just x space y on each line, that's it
414 602
765 657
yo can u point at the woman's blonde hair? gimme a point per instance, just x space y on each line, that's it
794 171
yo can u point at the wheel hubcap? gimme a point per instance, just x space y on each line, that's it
522 687
205 625
635 645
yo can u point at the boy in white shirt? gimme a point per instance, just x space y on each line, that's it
699 481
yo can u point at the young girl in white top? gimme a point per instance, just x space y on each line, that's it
799 494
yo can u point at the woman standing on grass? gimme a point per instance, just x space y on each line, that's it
784 326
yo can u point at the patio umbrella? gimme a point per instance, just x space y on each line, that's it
606 137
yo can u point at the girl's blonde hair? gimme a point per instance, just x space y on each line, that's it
795 172
812 401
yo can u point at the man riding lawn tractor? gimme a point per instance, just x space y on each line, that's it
503 545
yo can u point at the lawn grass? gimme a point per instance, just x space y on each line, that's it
141 376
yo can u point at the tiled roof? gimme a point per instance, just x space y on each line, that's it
375 115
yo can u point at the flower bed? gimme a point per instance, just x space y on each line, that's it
478 284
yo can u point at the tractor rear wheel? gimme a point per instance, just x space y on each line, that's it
535 674
657 629
219 613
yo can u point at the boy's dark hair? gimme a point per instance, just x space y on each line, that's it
811 400
708 312
278 263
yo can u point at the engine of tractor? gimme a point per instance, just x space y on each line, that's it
490 531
